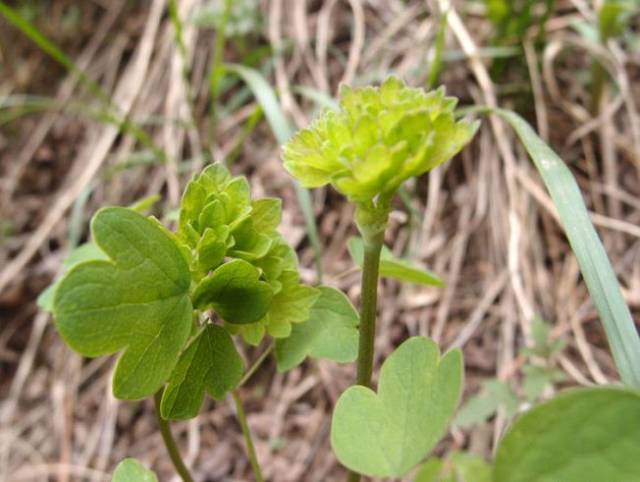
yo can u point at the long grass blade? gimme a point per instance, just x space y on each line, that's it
31 31
282 130
592 258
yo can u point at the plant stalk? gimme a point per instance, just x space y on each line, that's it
368 308
251 450
170 442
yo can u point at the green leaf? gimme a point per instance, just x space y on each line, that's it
580 435
613 17
481 407
266 97
292 304
330 332
130 470
138 302
266 214
457 467
235 291
210 363
595 266
84 252
390 267
388 433
379 138
537 378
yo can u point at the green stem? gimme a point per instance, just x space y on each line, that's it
249 373
368 308
251 451
170 442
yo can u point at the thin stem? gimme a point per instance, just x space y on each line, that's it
170 442
251 451
368 306
249 373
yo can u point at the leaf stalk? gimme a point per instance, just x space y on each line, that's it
246 431
170 442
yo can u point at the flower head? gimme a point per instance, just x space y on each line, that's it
379 138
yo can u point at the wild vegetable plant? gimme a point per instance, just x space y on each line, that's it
378 139
171 302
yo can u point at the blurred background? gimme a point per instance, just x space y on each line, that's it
111 102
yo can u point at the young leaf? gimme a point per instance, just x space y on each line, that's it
235 291
84 252
266 214
595 266
330 332
580 435
291 304
130 470
137 302
390 267
210 363
379 138
537 378
457 467
481 407
388 433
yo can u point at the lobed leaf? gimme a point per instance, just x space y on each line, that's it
386 434
210 363
235 291
137 302
331 332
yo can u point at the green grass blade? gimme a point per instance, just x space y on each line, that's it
436 64
31 31
110 112
266 97
282 130
592 258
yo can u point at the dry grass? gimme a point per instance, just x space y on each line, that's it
486 223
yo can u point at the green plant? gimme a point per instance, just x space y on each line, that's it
153 295
613 17
379 138
537 374
170 303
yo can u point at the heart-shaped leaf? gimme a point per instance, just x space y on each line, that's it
130 470
581 435
388 433
137 302
330 332
235 291
209 363
391 267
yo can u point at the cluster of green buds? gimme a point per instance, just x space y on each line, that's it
227 233
379 138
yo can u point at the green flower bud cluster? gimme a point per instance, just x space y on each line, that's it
221 226
379 138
